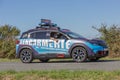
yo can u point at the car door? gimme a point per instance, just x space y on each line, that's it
59 43
40 41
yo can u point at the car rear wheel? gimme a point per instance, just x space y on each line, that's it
44 60
79 54
26 56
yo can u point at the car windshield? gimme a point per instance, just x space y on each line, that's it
74 35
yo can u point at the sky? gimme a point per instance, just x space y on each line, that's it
77 15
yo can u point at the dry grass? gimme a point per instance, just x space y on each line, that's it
60 75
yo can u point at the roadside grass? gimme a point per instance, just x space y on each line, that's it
60 75
108 58
62 60
9 60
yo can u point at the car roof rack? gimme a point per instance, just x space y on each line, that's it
46 24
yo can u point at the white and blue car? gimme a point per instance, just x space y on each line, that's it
48 42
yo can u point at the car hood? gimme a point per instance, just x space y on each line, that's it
95 41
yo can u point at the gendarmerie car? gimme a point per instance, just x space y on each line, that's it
48 41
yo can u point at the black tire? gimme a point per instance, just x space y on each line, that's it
79 54
44 60
26 56
94 59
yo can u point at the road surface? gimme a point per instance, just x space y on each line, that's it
105 65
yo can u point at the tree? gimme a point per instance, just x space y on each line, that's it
8 36
111 35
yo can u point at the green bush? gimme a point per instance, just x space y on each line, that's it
111 34
8 38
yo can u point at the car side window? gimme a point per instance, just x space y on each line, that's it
57 35
32 35
24 36
39 35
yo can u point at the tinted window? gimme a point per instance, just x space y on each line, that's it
24 36
57 35
32 35
39 35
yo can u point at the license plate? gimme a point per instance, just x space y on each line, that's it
106 49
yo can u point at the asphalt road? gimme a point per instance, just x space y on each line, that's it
105 65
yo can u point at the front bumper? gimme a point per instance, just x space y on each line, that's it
101 53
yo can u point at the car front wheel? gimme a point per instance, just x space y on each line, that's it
79 54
